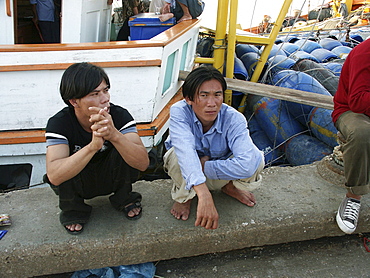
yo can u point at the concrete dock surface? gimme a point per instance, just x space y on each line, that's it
293 204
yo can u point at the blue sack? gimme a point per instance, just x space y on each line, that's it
144 270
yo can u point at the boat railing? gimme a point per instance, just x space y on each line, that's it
143 76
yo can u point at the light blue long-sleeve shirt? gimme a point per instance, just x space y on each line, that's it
45 9
228 136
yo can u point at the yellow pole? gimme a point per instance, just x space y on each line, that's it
231 40
220 36
274 32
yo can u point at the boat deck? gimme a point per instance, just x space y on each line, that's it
294 204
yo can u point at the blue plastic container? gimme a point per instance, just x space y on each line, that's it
329 43
240 72
250 60
341 51
323 55
251 101
356 38
322 127
349 44
145 26
336 68
299 81
272 155
304 149
290 38
278 41
275 120
275 50
308 45
280 62
299 55
241 49
289 48
324 76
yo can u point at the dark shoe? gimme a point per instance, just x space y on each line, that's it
74 232
128 208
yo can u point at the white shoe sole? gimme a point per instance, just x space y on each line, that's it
342 226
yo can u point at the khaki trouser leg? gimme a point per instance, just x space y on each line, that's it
182 195
355 129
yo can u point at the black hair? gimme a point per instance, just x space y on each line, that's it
80 79
197 77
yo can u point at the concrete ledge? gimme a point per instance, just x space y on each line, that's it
294 204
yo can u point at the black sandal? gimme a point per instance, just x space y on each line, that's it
74 232
74 217
128 208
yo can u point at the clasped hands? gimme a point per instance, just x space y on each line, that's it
102 126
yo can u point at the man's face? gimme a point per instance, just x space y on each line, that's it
97 98
207 102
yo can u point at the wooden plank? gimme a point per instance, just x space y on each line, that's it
161 40
303 97
153 127
63 66
22 137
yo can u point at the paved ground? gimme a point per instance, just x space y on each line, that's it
328 257
343 256
295 204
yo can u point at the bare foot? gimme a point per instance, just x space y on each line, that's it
242 196
165 17
181 210
185 17
74 227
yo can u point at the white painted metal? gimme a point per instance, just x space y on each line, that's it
6 23
85 21
26 153
74 56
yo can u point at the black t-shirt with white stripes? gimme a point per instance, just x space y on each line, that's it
64 128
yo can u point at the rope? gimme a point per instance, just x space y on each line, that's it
254 8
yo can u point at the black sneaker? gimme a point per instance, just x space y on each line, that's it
347 215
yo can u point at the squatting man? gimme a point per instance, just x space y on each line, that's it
209 148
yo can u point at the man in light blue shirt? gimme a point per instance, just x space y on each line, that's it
209 148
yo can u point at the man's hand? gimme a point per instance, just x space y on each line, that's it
102 123
207 215
203 160
102 128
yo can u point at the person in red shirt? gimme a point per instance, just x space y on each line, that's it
351 117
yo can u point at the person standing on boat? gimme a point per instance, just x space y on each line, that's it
46 17
181 10
209 148
93 149
351 117
129 9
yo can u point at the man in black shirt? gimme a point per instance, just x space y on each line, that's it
93 148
